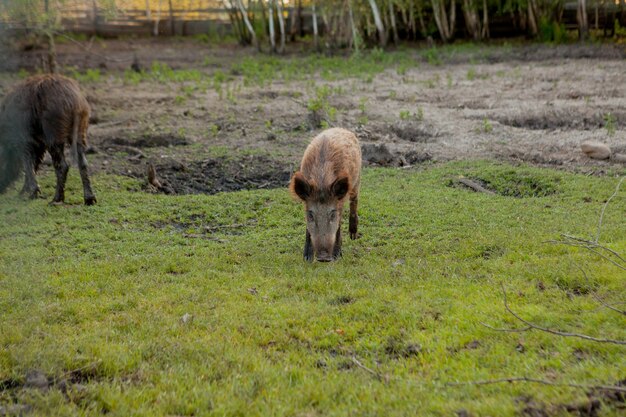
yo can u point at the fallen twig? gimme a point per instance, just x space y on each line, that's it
371 371
474 186
538 381
615 388
556 332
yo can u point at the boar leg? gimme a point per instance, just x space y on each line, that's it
79 138
61 167
31 188
90 198
308 248
337 248
354 217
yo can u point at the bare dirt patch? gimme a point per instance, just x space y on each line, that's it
531 104
214 175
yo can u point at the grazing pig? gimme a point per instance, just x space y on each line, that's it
44 113
330 172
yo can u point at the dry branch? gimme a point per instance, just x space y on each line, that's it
538 381
365 368
619 184
597 297
614 388
556 332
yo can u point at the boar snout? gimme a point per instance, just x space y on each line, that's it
324 256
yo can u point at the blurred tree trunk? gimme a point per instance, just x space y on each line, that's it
532 18
270 19
148 11
583 22
392 21
379 24
281 24
485 32
472 23
316 39
157 20
478 30
296 21
355 35
445 23
172 26
246 20
49 33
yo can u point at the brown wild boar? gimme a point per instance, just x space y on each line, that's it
330 171
44 113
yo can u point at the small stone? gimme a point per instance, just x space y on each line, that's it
36 379
398 262
186 318
474 344
596 150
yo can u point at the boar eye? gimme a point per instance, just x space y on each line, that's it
309 215
333 214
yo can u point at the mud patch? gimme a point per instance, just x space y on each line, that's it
413 131
341 300
197 226
561 118
216 175
590 407
380 154
397 348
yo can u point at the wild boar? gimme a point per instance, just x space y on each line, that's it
329 173
44 113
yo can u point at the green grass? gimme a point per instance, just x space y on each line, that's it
106 287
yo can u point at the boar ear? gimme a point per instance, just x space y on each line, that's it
340 187
300 187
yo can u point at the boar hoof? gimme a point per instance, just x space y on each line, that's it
31 194
90 201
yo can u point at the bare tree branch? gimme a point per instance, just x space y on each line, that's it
597 297
556 332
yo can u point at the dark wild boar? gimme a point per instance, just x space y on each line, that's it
44 113
330 172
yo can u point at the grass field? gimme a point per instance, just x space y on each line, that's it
202 305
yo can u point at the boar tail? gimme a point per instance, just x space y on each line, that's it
10 166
